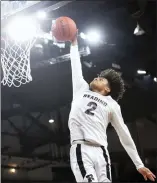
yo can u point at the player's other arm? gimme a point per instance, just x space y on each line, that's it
128 143
77 77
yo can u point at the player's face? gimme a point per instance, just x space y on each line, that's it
100 85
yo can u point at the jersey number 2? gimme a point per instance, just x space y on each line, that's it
92 106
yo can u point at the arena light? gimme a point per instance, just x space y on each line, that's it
155 79
22 28
12 170
91 37
41 15
138 31
51 120
141 72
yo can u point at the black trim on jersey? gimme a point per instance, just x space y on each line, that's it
107 163
79 160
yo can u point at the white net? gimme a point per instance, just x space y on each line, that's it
15 62
19 38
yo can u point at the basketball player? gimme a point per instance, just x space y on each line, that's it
93 108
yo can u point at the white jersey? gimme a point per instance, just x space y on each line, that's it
91 113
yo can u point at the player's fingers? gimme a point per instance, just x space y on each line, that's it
145 177
75 37
153 175
150 177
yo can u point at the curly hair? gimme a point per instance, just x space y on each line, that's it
116 83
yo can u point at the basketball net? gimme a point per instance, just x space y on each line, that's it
15 61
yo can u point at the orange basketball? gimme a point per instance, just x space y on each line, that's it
64 29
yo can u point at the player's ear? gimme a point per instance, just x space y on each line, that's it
108 89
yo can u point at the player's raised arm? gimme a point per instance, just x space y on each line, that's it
77 77
128 143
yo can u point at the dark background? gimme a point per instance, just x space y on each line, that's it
40 150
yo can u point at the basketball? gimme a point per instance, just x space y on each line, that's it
64 29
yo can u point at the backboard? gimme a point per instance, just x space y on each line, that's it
9 8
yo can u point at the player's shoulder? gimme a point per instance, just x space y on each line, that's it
113 103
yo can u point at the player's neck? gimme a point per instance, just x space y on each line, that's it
100 92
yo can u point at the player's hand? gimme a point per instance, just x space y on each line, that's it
147 174
74 41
